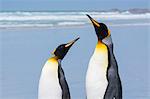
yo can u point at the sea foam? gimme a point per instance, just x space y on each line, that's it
53 19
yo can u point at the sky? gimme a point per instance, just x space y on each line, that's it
53 5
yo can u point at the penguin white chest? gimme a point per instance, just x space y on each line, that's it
96 80
49 87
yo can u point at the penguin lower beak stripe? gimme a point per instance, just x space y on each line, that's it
93 21
72 42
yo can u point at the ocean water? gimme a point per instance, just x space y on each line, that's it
24 50
62 19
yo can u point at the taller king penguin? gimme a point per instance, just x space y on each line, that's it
102 78
52 83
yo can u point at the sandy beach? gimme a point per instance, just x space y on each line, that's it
24 52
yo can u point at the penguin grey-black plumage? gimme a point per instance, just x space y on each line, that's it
102 78
52 83
63 83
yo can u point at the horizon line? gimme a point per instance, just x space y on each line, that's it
113 9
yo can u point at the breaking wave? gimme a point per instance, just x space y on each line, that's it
54 19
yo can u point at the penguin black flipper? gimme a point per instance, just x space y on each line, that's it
114 88
63 83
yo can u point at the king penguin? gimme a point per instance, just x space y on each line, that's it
102 77
52 83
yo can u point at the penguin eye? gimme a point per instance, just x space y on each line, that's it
61 47
104 34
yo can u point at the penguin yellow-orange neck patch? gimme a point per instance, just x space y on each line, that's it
53 59
101 47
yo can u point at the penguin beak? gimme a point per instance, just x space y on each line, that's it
68 45
95 23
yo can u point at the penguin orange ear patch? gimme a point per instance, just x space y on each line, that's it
53 52
108 32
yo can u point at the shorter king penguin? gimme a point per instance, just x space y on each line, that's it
52 83
102 78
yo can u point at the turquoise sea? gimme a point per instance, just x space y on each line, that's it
28 38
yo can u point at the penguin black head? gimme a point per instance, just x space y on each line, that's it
62 49
100 28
